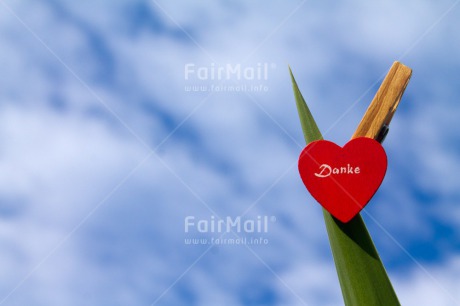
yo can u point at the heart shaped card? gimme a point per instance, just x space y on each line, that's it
343 180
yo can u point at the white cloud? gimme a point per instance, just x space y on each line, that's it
313 284
436 286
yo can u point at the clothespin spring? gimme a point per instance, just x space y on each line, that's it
382 133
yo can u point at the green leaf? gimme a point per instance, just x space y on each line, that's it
362 276
309 127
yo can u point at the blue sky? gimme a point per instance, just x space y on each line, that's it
104 151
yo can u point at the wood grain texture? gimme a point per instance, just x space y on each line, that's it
385 102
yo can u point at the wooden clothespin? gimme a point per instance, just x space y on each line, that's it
378 116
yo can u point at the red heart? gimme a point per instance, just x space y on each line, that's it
343 180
